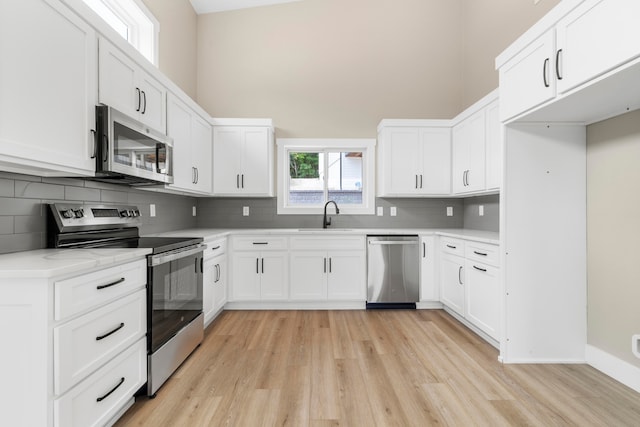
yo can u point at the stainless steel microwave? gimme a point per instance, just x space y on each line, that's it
129 152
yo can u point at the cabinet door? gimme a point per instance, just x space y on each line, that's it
274 282
493 146
402 154
179 128
209 276
257 156
227 157
429 291
435 173
452 282
48 85
245 276
596 37
152 107
220 284
527 80
201 153
346 278
483 297
309 275
469 154
118 84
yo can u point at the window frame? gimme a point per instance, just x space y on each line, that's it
143 38
285 146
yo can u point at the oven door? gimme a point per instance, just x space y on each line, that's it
174 294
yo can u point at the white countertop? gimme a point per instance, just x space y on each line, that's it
45 263
208 234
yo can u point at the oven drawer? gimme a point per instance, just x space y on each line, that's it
81 293
483 252
84 344
259 243
121 377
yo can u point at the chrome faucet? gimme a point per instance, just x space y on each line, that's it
327 221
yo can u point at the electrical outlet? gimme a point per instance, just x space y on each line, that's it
635 345
380 211
481 210
152 210
449 210
245 211
393 211
193 211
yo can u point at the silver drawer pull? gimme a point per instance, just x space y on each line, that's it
108 285
480 269
100 399
451 246
101 337
479 253
215 248
260 243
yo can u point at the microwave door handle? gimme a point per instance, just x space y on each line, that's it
166 159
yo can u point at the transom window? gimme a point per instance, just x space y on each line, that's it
314 171
133 21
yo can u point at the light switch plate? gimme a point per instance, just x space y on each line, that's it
245 211
449 210
193 211
635 345
152 210
393 211
380 211
481 210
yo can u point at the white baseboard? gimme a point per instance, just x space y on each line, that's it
618 369
429 305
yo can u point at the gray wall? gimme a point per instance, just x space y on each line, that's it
411 213
23 214
490 221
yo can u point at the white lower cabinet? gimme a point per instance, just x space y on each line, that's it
429 289
470 282
74 344
262 274
325 268
214 279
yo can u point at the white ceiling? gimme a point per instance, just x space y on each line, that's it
209 6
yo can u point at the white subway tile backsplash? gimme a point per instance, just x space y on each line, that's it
6 187
17 206
38 190
6 225
82 194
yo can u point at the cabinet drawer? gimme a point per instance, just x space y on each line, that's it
87 291
452 246
328 242
259 243
101 396
215 248
84 344
482 252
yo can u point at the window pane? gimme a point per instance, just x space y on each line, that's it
111 18
344 180
305 178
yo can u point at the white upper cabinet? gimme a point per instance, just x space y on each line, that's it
48 89
572 46
243 160
192 147
125 86
596 37
413 160
493 147
469 154
527 80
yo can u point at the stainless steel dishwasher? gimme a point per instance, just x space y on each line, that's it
393 271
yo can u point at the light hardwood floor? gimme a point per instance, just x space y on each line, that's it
366 368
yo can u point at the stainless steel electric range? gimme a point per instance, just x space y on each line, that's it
175 321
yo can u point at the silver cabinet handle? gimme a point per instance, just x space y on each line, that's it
108 285
424 250
480 269
545 65
420 180
329 264
460 275
451 246
479 253
101 398
237 180
101 337
139 99
325 265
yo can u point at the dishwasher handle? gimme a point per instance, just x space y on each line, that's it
393 242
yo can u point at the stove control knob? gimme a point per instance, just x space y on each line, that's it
132 214
78 213
68 213
124 213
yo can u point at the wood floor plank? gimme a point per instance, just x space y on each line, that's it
365 368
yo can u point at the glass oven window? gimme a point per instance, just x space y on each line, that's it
176 297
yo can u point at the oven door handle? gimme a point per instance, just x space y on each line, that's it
174 255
